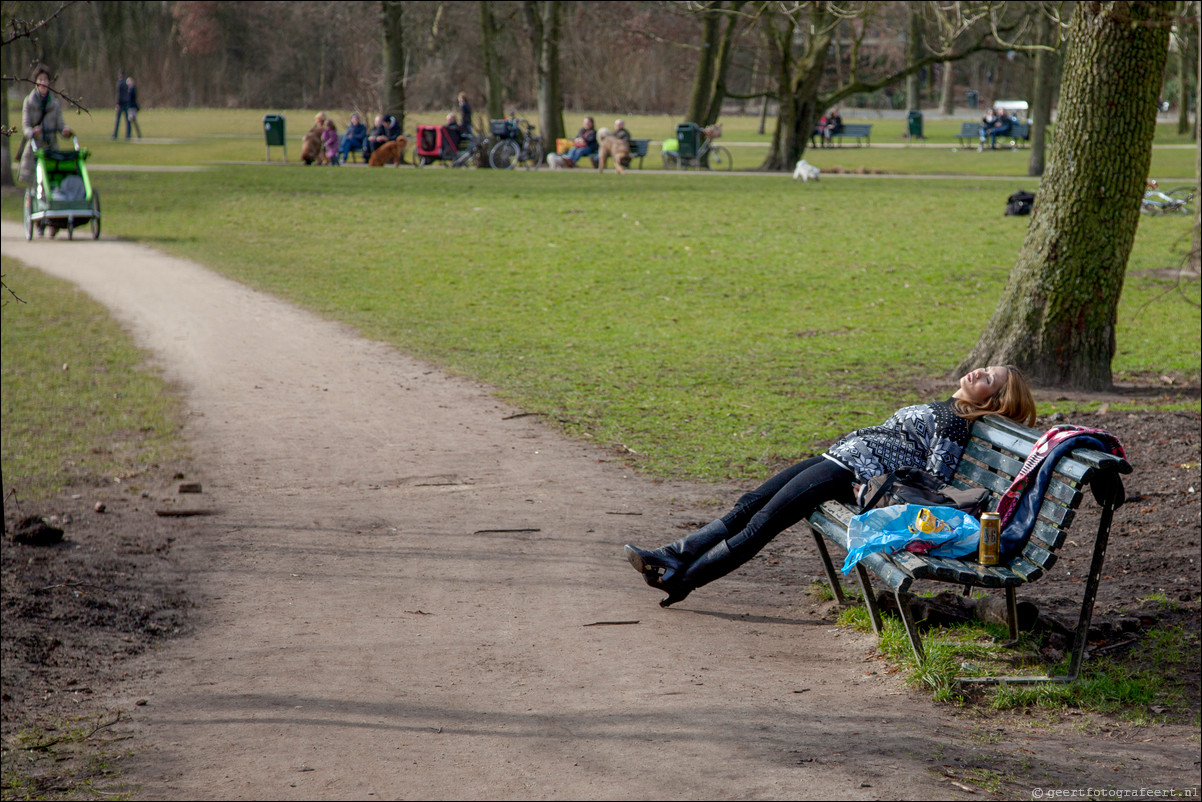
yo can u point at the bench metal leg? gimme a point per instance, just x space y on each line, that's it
1091 591
831 576
1012 614
874 613
1081 636
907 617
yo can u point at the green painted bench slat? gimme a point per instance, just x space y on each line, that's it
856 131
1002 468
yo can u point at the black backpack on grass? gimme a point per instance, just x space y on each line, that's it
1021 202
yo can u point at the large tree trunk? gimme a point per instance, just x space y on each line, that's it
1043 83
947 99
1056 316
1187 59
797 86
392 98
544 18
707 61
722 66
913 54
493 88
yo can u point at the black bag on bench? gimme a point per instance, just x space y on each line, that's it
916 486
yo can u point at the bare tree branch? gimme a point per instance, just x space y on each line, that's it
22 29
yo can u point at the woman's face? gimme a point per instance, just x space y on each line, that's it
979 385
43 82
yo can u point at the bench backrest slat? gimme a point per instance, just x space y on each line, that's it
1038 555
1052 537
1003 439
1066 493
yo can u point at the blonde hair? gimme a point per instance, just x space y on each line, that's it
1013 399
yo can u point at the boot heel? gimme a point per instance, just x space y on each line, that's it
654 570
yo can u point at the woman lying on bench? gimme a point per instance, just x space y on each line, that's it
929 436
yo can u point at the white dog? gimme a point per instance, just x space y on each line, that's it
806 171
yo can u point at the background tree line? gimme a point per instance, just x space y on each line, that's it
624 57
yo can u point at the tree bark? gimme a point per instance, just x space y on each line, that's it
1057 314
1043 83
703 79
544 18
1187 58
717 93
392 97
493 87
913 54
947 99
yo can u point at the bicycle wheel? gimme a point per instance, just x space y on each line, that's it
719 159
532 154
1183 199
504 155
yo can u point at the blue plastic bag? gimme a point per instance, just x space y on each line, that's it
891 529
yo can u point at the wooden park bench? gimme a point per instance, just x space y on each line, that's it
638 149
860 132
994 456
970 133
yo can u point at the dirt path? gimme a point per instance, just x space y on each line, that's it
398 581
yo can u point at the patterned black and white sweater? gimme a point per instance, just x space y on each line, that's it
929 436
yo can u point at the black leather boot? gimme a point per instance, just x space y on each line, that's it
724 557
661 565
714 564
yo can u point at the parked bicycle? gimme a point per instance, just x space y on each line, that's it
1178 200
519 145
471 149
709 155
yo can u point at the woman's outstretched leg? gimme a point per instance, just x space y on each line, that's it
821 480
663 565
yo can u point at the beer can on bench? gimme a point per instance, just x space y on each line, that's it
989 552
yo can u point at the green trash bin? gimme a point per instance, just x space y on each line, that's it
273 130
689 137
914 124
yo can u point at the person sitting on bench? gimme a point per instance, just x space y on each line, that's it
929 436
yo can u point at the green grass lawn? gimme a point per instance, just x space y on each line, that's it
79 404
712 325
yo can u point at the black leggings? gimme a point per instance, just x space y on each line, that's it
785 499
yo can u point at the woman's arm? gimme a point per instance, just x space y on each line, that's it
27 121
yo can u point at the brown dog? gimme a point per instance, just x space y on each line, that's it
616 147
311 149
389 153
